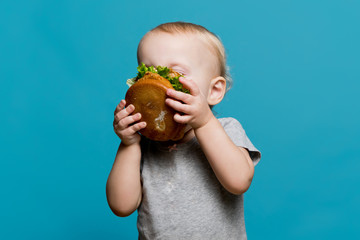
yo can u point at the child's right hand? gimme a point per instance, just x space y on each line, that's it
125 125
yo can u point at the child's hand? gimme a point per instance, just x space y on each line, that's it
192 108
123 123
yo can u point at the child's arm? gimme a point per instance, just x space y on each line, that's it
123 187
232 165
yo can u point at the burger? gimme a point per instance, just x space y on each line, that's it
147 93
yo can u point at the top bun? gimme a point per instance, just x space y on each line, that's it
148 95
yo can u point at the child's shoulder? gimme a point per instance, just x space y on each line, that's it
229 121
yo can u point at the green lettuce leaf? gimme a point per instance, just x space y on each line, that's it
177 85
162 71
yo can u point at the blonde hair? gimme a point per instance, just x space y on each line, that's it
214 42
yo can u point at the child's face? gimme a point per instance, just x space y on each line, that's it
184 53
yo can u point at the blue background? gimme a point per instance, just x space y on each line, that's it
63 66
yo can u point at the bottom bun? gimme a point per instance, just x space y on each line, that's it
148 96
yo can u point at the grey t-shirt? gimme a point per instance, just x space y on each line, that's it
182 198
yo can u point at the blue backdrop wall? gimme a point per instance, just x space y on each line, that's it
63 66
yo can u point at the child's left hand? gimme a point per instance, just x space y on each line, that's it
194 106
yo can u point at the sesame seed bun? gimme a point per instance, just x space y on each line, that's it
148 95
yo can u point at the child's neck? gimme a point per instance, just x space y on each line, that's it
189 134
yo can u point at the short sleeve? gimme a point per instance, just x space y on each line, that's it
237 134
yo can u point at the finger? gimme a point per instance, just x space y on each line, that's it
124 113
133 129
125 122
184 97
178 106
191 85
183 119
120 106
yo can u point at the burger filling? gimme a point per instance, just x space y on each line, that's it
164 72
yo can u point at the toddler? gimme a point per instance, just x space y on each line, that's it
192 188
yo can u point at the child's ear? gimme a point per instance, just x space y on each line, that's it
217 90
